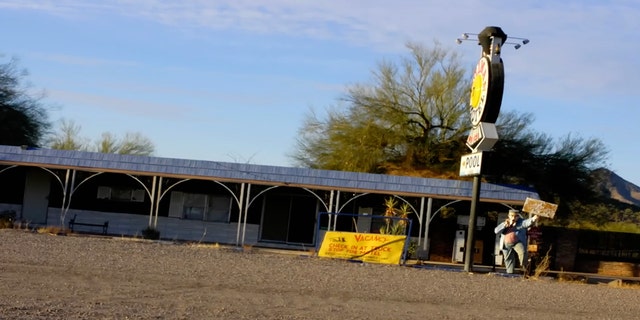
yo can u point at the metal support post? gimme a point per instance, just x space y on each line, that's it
470 243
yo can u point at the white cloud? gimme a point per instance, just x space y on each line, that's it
123 106
83 61
575 45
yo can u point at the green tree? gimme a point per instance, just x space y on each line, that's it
560 170
23 116
68 138
136 144
412 114
108 143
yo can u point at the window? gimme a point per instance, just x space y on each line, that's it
120 194
104 193
196 206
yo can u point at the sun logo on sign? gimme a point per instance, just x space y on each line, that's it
479 89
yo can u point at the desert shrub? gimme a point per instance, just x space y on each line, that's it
151 233
7 218
52 230
542 267
395 226
413 248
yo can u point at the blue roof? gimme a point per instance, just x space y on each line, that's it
262 174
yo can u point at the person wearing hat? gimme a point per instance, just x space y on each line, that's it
513 238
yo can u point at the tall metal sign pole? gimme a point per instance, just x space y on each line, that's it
486 98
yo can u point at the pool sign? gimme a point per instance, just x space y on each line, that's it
485 100
471 164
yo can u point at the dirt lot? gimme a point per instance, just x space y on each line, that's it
72 277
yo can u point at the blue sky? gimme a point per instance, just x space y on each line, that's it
232 80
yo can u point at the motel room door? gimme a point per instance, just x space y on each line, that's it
289 218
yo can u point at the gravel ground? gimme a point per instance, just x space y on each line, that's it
77 277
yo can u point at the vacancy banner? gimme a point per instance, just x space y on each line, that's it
366 247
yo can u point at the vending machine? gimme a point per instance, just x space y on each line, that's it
461 237
458 247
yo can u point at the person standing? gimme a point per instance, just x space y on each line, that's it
513 238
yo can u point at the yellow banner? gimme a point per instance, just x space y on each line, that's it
366 247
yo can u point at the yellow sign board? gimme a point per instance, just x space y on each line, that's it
366 247
539 207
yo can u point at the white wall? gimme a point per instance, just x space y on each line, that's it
123 224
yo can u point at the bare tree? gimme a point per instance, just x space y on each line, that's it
136 144
107 144
68 138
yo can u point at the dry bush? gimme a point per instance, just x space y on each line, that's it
204 245
543 266
7 218
5 224
151 233
563 277
57 230
630 285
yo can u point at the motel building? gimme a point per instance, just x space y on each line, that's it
241 204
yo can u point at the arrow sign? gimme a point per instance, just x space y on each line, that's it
482 137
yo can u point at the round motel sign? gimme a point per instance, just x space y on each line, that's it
479 90
486 91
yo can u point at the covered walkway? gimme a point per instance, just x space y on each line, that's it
152 173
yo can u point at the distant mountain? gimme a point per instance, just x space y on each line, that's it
613 186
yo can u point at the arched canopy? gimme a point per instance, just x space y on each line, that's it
263 175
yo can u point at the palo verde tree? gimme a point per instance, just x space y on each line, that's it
23 116
413 114
68 138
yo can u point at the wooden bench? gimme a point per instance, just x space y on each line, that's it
73 222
